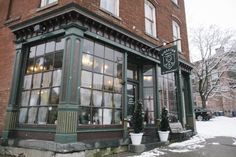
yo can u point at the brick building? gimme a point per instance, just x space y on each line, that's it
71 70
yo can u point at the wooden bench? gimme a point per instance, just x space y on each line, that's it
178 133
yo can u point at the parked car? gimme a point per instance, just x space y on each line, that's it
202 114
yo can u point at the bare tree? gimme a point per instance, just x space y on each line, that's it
212 44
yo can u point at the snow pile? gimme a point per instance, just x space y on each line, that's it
189 145
219 126
151 153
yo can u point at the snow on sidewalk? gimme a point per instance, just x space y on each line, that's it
219 126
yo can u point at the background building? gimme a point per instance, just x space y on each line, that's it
78 67
222 82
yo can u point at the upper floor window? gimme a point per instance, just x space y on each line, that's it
175 1
176 35
111 6
150 19
47 2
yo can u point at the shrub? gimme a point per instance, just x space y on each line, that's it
137 118
164 120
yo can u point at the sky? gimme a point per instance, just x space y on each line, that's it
210 12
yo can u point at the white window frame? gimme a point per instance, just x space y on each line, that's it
47 2
176 35
175 1
104 4
151 32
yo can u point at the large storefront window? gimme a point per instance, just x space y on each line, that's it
168 94
101 89
148 88
41 83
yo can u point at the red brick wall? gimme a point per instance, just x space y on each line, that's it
131 18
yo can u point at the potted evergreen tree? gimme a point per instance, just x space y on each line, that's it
137 123
164 126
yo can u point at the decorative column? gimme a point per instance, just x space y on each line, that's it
180 96
11 115
125 109
67 121
157 107
191 122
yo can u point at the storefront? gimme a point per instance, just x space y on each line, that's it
77 78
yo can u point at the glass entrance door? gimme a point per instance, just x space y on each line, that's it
132 97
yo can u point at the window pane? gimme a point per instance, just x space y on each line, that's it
60 43
50 47
99 50
118 70
56 78
98 65
86 79
55 92
108 99
109 53
97 81
87 62
37 80
108 68
97 116
40 50
148 105
85 97
30 66
58 60
84 115
148 93
148 26
117 85
34 99
22 116
25 98
32 52
107 116
117 100
44 96
39 65
32 115
52 115
108 83
88 46
97 98
118 117
118 57
48 63
42 115
27 82
47 79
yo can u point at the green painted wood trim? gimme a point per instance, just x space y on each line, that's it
16 76
45 36
36 129
97 37
140 85
178 76
99 130
125 109
67 122
157 103
66 138
190 95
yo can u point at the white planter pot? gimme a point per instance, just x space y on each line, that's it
163 135
136 138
